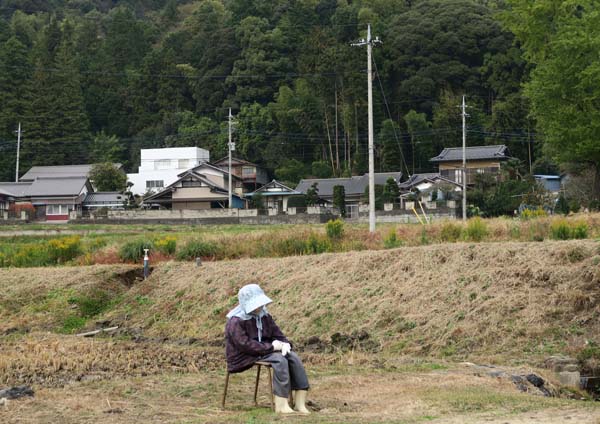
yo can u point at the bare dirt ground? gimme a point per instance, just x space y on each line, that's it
342 395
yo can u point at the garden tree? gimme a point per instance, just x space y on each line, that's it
312 195
378 196
421 148
257 201
562 40
495 198
391 191
106 148
339 199
388 139
107 177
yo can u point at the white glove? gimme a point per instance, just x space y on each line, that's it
285 349
277 345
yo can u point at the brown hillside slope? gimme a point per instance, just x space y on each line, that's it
518 301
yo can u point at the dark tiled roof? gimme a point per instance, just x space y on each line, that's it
46 187
352 186
59 171
15 189
453 154
59 186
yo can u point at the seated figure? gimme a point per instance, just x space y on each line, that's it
251 335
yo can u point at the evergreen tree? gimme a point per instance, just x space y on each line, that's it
339 199
391 192
391 160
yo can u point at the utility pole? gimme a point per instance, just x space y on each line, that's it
230 148
369 42
18 152
464 158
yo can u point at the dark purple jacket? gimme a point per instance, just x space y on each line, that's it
242 347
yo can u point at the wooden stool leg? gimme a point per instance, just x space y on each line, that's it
271 385
225 390
256 385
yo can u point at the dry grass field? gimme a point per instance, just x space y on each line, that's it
384 334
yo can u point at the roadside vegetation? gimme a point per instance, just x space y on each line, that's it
100 245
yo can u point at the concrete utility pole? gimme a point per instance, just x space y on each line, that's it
464 158
230 148
369 42
18 152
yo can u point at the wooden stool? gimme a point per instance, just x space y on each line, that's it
257 364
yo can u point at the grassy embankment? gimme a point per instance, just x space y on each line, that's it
405 317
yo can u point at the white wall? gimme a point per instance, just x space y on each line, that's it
171 166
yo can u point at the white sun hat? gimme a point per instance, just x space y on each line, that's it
251 296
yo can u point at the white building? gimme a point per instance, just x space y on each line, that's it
161 167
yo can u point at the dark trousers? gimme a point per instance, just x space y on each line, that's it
288 373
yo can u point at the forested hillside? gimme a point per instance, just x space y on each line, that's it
96 80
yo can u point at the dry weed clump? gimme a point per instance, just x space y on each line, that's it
51 361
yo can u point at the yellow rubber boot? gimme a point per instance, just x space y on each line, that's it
300 401
282 406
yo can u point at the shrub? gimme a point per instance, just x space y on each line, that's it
133 251
198 249
335 229
289 247
166 245
533 213
476 229
450 232
580 230
64 249
392 241
316 244
560 230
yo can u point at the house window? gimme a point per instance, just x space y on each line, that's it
58 209
191 183
154 184
162 164
184 163
458 175
248 171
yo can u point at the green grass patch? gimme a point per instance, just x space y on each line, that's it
133 251
198 248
